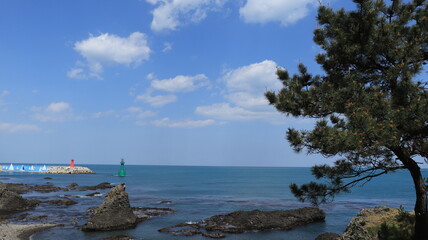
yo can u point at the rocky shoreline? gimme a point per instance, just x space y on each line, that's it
116 213
21 231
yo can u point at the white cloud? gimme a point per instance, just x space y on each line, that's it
166 122
109 49
181 83
244 90
246 85
170 14
157 100
253 78
284 11
55 112
224 111
139 113
14 127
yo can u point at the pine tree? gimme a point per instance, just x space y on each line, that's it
371 102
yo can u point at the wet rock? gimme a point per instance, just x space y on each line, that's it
36 218
22 216
65 202
114 213
12 201
101 186
73 185
93 194
117 237
147 213
46 188
15 187
248 221
23 188
48 178
328 236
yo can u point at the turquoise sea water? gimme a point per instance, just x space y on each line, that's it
197 193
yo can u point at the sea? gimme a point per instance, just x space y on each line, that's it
197 193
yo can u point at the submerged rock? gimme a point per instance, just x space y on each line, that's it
114 213
248 221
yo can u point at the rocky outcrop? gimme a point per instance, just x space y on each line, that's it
369 223
101 186
69 170
65 202
147 213
114 213
23 188
328 236
248 221
12 201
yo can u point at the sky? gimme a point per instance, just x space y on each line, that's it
156 82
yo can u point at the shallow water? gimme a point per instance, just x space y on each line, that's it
200 192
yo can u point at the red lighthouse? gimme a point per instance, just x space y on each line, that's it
72 163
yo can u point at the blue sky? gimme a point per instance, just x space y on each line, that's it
165 82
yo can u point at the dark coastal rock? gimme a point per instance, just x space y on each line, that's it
117 237
65 202
147 213
73 185
15 187
93 194
12 201
46 188
328 236
23 188
22 216
48 178
248 221
101 186
38 218
114 213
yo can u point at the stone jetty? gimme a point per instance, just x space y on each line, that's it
69 170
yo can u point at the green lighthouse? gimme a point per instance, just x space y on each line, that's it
122 172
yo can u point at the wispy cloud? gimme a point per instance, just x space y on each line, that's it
181 83
244 93
3 94
167 46
156 100
171 14
109 49
166 122
284 11
15 127
55 112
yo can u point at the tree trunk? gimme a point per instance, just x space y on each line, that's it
421 210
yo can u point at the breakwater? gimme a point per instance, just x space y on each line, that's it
45 169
